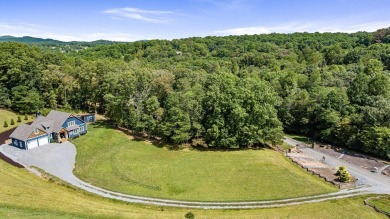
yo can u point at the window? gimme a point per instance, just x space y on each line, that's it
16 143
76 131
71 123
81 128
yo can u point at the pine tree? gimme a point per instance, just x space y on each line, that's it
12 122
19 119
5 124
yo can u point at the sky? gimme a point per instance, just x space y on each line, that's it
133 20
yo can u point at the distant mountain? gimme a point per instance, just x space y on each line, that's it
35 40
28 39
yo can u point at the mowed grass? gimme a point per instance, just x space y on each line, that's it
382 203
108 158
6 115
24 195
301 138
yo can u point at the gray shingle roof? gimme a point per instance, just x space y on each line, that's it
43 123
23 131
54 120
58 119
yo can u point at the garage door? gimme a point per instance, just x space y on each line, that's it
43 141
32 144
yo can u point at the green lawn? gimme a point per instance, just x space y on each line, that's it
301 138
6 115
24 195
382 203
285 146
107 158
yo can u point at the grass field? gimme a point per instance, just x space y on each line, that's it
107 158
301 138
6 115
24 195
382 203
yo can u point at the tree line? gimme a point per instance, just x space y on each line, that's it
232 92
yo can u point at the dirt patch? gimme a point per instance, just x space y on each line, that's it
319 169
366 163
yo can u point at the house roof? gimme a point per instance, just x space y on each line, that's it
23 131
51 123
58 118
43 123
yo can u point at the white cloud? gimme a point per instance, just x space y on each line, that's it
318 26
143 15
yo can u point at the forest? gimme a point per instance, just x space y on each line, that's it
216 92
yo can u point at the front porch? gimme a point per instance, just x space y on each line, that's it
61 136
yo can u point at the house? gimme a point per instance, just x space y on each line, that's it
87 117
55 127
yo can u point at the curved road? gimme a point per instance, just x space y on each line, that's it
59 160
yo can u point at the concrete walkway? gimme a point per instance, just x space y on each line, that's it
59 160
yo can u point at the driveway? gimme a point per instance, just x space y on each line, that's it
59 161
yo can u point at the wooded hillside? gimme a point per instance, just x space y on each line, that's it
230 92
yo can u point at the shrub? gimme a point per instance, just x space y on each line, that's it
19 119
190 215
5 124
25 117
343 174
12 122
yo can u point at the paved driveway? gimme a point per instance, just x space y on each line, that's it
56 159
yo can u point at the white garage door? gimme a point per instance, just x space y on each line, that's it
32 144
43 141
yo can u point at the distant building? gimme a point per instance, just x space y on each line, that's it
87 117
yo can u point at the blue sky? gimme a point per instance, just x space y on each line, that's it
133 20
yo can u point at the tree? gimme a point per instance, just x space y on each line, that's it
25 117
376 140
12 122
373 67
19 119
5 124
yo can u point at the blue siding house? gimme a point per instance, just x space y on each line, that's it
55 127
87 117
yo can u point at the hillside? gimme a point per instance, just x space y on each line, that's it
217 92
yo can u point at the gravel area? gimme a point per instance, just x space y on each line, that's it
363 162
